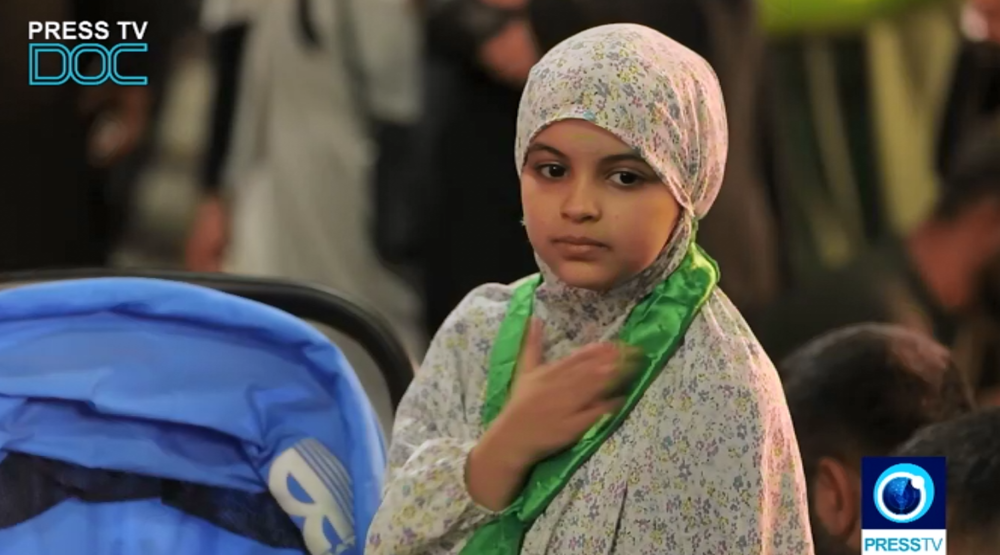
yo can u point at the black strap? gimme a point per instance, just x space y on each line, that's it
307 27
227 48
31 485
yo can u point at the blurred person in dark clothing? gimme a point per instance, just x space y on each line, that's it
971 445
977 346
930 280
857 392
57 143
972 106
481 52
974 96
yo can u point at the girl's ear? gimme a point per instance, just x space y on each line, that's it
836 499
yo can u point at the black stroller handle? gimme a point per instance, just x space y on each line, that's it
306 301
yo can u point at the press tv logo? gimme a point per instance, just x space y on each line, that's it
903 505
75 63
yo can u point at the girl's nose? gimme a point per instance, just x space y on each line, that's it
581 202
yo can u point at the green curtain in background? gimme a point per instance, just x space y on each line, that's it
855 105
785 17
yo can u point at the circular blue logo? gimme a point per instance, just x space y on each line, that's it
904 493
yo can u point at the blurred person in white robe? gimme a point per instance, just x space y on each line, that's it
293 195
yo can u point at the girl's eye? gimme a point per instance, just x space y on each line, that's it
627 179
552 171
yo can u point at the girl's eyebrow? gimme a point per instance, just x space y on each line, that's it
542 147
610 159
624 157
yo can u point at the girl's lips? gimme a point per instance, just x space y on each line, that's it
576 240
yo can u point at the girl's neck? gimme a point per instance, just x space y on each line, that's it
563 300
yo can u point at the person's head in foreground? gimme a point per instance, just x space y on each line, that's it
857 392
971 445
621 147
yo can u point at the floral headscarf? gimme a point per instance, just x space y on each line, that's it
650 91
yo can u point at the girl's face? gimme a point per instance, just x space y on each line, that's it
596 213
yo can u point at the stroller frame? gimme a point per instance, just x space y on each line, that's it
306 301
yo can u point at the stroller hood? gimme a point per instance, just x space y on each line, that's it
176 419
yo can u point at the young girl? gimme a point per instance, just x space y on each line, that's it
642 416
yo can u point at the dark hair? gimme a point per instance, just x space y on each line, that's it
865 389
975 173
971 444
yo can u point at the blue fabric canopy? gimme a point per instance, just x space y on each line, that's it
223 399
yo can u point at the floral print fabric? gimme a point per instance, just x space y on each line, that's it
707 463
653 93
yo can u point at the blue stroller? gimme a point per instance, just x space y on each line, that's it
180 414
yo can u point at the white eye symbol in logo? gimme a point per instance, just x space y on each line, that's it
904 493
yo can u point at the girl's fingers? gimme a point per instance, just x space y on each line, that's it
531 350
589 356
589 416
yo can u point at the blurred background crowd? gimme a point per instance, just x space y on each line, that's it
366 145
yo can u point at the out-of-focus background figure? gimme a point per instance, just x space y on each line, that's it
478 56
933 278
292 197
70 154
970 446
862 391
270 151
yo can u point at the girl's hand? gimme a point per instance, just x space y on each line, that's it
550 407
553 405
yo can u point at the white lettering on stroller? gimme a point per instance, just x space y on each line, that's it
331 498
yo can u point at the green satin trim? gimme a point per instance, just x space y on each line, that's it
656 325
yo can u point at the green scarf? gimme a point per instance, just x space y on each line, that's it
656 325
